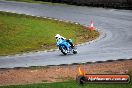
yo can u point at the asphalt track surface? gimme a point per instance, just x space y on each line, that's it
114 43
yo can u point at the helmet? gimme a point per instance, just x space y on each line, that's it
57 36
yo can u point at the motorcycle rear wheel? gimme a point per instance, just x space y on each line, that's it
74 51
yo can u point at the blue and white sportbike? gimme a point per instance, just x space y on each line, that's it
65 47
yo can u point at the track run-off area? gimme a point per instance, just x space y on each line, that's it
115 27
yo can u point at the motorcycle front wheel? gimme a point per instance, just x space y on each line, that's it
63 50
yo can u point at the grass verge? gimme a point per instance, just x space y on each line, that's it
71 84
22 33
36 1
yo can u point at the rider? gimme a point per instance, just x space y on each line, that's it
58 37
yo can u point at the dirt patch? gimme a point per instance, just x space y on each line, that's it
60 73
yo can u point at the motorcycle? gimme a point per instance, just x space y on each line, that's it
65 47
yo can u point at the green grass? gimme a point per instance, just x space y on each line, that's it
71 84
24 0
35 1
32 1
21 33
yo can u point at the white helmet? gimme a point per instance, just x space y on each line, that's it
58 36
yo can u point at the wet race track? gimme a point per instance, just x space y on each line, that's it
114 43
